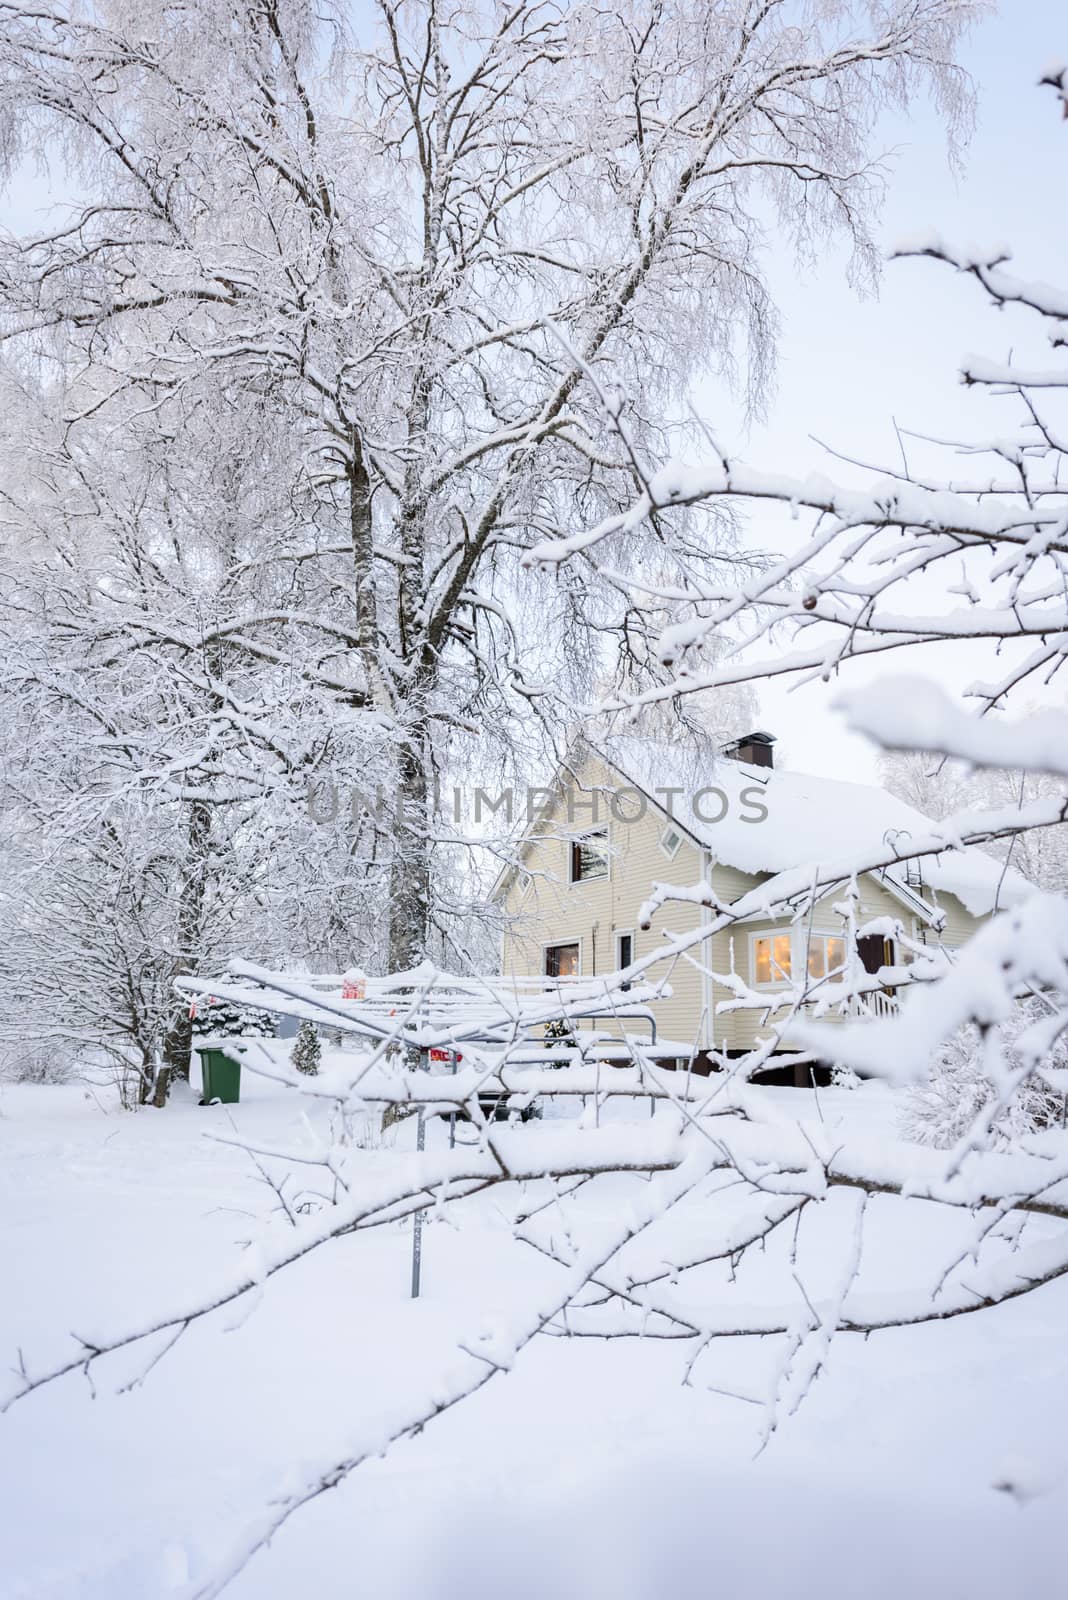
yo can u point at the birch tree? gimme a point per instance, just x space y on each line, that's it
425 242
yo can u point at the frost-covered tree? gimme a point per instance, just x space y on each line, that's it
939 787
155 777
417 244
89 939
944 1108
933 785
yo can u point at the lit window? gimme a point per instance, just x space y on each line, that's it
589 856
561 960
670 840
771 958
826 955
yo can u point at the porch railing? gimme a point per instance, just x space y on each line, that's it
878 1003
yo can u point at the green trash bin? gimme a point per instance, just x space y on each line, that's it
220 1076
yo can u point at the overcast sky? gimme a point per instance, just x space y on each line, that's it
849 366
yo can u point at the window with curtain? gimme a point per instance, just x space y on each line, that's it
772 958
826 954
561 960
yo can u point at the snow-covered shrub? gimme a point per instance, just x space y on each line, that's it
845 1078
370 1133
35 1063
307 1049
226 1019
559 1032
941 1110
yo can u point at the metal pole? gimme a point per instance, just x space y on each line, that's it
452 1113
417 1221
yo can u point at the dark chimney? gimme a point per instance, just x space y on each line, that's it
754 749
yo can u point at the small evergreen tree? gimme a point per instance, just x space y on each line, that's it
559 1032
215 1018
307 1049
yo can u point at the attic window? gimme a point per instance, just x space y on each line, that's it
670 840
523 881
589 856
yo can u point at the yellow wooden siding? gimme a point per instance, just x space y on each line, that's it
959 925
592 914
739 1030
555 911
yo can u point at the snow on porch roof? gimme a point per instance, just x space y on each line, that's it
809 820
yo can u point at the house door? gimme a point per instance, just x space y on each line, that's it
875 952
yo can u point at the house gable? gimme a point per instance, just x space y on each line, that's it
545 908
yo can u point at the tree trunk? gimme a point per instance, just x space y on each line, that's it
361 531
409 878
177 1041
160 1085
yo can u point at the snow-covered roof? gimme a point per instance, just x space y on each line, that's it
809 820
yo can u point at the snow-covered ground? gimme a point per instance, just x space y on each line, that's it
589 1470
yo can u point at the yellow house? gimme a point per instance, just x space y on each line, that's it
625 817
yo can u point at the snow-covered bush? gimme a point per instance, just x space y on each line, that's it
225 1019
942 1109
559 1032
370 1133
36 1063
307 1049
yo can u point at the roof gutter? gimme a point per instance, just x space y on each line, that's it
707 1000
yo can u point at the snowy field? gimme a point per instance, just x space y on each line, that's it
589 1470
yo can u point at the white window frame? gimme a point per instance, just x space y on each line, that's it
572 840
624 933
523 880
554 944
822 933
776 982
679 841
